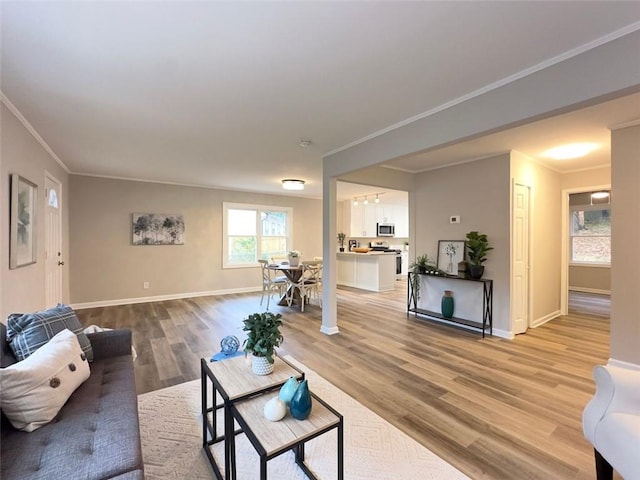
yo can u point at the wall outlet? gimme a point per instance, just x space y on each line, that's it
454 219
145 285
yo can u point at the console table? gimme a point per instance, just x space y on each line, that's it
487 303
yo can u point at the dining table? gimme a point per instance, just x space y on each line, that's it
293 274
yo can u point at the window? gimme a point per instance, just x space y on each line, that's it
253 232
591 234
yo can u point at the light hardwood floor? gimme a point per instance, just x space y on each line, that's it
493 408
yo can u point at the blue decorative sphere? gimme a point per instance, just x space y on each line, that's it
229 345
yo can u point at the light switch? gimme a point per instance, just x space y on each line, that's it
454 219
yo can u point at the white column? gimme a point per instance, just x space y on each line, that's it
329 233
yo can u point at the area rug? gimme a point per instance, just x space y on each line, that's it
171 428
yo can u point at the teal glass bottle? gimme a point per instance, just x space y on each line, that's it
300 405
288 390
447 304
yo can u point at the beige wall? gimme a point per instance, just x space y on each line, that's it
625 225
22 289
590 279
545 212
106 267
479 193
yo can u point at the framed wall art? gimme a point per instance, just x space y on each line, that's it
22 235
158 229
450 252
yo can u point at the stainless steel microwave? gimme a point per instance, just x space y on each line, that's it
386 230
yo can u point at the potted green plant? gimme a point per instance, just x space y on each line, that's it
420 265
263 336
477 248
341 238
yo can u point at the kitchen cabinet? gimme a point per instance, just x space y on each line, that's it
364 219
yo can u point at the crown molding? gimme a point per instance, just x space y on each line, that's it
13 109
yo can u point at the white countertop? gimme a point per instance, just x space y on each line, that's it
368 253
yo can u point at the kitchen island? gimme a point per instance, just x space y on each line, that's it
374 271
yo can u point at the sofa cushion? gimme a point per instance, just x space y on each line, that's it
26 332
35 389
95 436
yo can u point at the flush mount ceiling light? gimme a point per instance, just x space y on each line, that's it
599 195
304 143
573 150
292 184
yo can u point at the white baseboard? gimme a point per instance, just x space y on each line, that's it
329 330
597 291
503 334
542 320
161 298
623 364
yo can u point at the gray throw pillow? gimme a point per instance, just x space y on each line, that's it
26 332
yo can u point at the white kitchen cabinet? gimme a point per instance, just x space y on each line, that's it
364 219
401 220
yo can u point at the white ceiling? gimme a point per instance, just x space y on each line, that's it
220 93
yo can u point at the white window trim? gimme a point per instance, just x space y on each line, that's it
586 208
226 206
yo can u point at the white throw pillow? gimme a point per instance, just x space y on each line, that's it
35 389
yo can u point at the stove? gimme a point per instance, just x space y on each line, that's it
378 246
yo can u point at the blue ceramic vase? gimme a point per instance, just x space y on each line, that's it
288 390
447 304
300 405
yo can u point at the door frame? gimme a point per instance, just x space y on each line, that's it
564 256
522 183
49 176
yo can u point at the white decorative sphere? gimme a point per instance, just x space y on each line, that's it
275 409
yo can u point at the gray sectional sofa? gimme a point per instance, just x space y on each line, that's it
96 434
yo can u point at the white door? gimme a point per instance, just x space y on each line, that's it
520 293
54 264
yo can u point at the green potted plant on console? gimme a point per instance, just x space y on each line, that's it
341 237
262 338
477 248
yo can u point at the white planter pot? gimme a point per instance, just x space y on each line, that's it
294 261
261 366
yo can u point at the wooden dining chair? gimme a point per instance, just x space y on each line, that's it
308 283
271 282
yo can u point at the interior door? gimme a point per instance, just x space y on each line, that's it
54 264
520 292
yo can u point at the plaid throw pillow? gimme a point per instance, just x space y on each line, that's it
26 332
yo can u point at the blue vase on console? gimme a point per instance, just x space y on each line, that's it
300 405
447 304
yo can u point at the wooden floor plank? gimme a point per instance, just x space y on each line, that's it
493 408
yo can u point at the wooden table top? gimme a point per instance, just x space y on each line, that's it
237 379
275 436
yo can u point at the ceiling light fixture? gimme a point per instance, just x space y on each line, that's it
292 184
304 143
573 150
365 198
597 196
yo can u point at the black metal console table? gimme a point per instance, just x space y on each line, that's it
487 303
